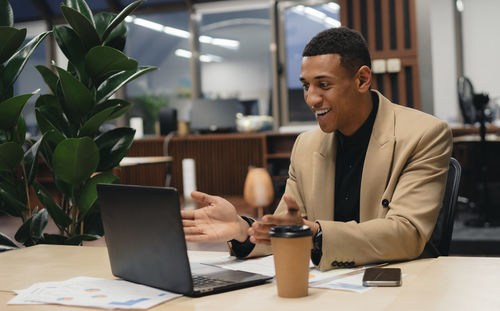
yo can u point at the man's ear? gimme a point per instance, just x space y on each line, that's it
364 78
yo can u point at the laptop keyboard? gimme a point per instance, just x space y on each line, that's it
202 281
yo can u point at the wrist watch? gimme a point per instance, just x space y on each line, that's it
317 252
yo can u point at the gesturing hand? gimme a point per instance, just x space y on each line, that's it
216 222
259 232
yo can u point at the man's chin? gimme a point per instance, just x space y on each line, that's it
326 128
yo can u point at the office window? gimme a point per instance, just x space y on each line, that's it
235 61
155 40
299 23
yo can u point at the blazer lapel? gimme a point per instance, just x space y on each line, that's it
378 159
323 185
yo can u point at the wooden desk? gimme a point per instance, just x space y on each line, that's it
445 283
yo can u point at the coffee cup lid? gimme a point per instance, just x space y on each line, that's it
293 231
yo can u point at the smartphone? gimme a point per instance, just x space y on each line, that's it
382 277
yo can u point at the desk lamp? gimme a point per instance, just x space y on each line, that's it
258 190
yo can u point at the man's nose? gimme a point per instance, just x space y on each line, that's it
313 99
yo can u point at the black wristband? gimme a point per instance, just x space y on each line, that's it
242 249
317 252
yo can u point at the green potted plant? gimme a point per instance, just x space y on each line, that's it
72 146
18 156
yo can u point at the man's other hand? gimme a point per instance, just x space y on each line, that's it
217 221
259 232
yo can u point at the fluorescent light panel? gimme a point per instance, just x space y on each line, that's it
317 15
225 43
206 58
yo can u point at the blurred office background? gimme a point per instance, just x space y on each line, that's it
249 54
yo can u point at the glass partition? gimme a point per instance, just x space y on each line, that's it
235 59
155 40
299 22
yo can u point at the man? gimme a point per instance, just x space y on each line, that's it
369 182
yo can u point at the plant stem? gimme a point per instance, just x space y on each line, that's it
25 178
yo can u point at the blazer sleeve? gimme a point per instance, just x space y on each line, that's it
414 195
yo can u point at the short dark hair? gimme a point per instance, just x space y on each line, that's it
348 43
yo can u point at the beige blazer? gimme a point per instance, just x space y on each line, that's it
406 164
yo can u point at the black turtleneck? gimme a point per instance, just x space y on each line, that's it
351 151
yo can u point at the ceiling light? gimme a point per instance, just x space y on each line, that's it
225 43
206 58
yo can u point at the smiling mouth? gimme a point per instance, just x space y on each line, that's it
320 113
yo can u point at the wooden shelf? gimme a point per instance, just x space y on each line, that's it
282 155
221 160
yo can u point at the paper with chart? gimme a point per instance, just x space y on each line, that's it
93 292
343 279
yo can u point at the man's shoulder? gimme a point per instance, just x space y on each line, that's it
313 140
415 120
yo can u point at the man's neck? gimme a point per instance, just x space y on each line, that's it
364 108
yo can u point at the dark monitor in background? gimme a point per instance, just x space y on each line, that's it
214 115
168 120
250 106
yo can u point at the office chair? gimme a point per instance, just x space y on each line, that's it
441 236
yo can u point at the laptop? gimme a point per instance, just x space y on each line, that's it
146 243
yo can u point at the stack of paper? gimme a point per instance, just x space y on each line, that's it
93 292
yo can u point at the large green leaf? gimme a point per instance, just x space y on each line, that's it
78 100
75 159
15 64
5 91
117 37
120 17
103 61
113 146
38 223
48 76
6 15
70 44
31 160
12 205
10 109
52 134
6 241
78 239
54 239
111 85
21 130
11 155
92 125
120 107
82 7
89 194
48 106
10 40
23 234
61 219
83 27
65 188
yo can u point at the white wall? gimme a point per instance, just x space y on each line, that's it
444 73
481 47
250 79
481 27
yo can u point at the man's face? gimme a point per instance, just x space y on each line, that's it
330 91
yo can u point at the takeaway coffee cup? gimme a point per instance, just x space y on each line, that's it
292 249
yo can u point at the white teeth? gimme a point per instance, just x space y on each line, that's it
322 112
